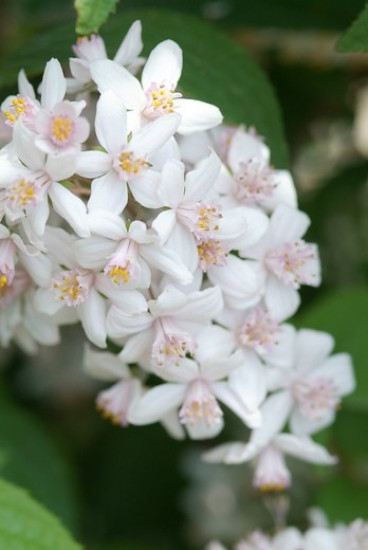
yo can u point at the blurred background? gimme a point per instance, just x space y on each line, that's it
135 488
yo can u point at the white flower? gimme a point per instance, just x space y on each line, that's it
164 336
314 383
194 386
92 48
127 255
29 182
156 97
115 402
127 160
286 260
252 180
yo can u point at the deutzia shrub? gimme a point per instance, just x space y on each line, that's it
180 249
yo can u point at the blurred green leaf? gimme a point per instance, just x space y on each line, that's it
92 14
26 525
342 499
29 457
344 313
216 69
355 39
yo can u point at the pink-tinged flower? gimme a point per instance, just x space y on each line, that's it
27 184
195 221
79 289
251 180
127 256
193 388
60 129
92 48
312 385
115 402
286 260
127 160
166 335
22 106
157 95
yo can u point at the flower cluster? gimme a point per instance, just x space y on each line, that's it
175 243
341 537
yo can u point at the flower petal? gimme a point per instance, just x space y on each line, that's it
156 403
163 66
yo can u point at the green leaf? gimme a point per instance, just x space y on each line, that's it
31 458
355 39
342 499
344 313
216 69
92 14
26 525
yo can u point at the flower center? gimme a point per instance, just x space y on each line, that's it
61 129
171 343
211 253
22 194
295 263
114 402
17 108
123 265
202 219
131 165
254 182
259 331
71 287
199 404
271 474
160 100
316 397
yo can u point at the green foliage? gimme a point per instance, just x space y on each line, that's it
26 525
29 457
342 499
216 69
344 313
92 14
355 39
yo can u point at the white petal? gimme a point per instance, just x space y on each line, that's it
312 348
53 85
144 189
167 261
244 147
93 318
163 66
249 382
70 207
282 301
202 305
137 347
183 240
304 448
199 181
24 86
120 324
301 426
104 366
338 368
131 46
171 186
231 453
154 135
92 164
202 430
275 412
251 418
287 224
156 403
106 224
93 253
109 75
26 149
108 192
197 116
111 122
